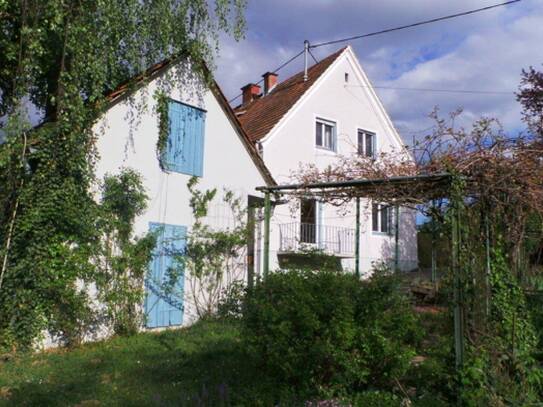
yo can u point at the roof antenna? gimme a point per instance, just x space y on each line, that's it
306 51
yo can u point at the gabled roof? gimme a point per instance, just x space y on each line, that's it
158 69
260 116
128 87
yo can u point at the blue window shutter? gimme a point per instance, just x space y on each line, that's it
199 126
188 146
165 307
185 152
174 137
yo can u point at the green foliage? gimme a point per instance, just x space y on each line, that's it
534 303
58 53
231 302
123 198
123 261
163 127
204 365
51 242
65 57
212 256
310 257
501 368
376 399
508 313
330 332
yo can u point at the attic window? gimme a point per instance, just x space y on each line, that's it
346 77
366 143
325 134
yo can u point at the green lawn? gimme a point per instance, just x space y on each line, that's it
202 365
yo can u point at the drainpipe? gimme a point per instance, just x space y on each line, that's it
306 52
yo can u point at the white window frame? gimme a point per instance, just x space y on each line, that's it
363 150
325 122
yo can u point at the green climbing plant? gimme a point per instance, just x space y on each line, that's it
61 60
163 127
123 259
214 257
499 338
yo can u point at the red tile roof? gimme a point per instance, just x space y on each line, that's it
261 115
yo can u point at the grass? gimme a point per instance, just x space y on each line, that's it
203 365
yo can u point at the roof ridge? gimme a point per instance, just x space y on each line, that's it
260 116
334 55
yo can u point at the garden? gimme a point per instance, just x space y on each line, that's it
312 337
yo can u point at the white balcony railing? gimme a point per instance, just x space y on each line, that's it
335 240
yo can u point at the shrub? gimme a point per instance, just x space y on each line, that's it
501 369
328 332
230 305
376 399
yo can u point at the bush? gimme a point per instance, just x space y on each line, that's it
330 332
230 306
376 399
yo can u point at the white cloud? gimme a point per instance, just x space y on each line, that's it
490 59
484 51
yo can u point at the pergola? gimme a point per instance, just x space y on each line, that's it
414 189
402 190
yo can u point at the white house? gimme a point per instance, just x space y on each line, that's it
205 140
333 111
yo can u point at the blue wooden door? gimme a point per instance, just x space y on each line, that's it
165 279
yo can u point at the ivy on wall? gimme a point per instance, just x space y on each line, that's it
123 259
163 127
63 59
214 259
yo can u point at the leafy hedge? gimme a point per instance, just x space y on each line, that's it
331 332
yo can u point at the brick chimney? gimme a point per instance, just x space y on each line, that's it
250 93
270 80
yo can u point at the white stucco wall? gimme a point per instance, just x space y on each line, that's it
227 163
352 106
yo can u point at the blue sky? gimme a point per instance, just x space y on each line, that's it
485 51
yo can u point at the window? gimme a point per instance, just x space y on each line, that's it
346 77
325 134
184 152
381 218
366 143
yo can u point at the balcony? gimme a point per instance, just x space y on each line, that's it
333 240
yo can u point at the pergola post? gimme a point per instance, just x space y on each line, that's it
434 242
457 295
267 216
396 238
357 240
487 271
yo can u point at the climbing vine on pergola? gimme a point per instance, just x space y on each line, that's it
484 173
